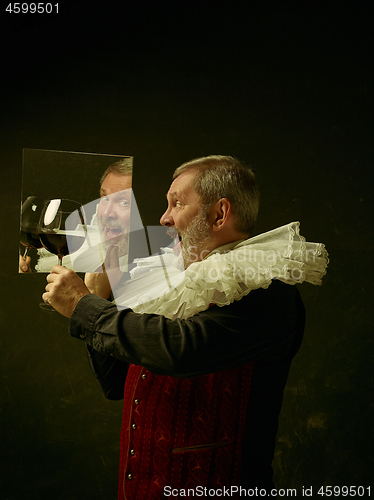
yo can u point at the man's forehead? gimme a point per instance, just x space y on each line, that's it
118 194
115 183
176 194
182 186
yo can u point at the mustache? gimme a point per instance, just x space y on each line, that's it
111 224
174 233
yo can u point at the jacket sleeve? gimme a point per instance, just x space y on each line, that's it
109 372
261 326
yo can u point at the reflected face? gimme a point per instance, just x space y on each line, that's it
187 216
114 211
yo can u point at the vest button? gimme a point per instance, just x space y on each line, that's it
144 376
133 426
136 401
132 452
130 477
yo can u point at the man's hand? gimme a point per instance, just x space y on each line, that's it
24 265
64 290
102 283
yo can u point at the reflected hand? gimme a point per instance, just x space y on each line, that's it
102 283
64 290
24 265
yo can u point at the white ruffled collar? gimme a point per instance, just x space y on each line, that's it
228 273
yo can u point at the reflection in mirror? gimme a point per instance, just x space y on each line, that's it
84 175
62 228
30 216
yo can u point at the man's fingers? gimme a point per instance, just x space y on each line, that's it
63 290
53 276
112 259
59 269
24 264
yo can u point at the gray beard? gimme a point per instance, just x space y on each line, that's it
123 243
195 239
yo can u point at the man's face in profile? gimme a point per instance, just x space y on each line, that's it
189 220
114 211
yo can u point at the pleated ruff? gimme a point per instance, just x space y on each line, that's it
159 287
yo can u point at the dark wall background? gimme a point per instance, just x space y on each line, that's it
285 87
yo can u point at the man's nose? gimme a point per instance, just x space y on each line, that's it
110 210
166 219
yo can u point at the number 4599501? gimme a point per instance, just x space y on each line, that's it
344 491
32 8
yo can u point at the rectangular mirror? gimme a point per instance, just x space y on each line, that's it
74 207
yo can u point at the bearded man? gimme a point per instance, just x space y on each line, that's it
113 211
201 367
113 219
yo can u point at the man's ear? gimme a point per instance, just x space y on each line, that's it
220 213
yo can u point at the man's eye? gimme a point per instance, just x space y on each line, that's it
124 203
178 204
104 199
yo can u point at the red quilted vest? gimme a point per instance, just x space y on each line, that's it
181 433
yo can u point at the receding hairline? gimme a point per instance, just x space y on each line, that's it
102 189
212 162
199 164
218 176
121 167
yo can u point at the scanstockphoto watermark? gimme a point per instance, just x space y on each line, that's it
204 492
247 274
245 254
249 264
